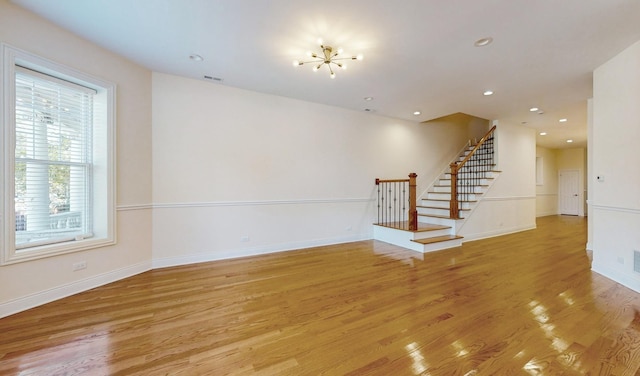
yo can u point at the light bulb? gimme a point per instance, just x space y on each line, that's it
315 69
343 66
333 75
319 40
360 57
340 50
308 53
296 63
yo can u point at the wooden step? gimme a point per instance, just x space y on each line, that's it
448 186
437 239
448 173
422 227
435 207
434 216
443 200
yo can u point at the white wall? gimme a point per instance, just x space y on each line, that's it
32 283
615 132
235 173
510 205
233 165
547 189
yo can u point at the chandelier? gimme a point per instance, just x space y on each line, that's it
328 57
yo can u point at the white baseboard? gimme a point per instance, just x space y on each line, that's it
43 297
492 234
612 274
207 256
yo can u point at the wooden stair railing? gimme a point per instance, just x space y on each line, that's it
392 201
485 165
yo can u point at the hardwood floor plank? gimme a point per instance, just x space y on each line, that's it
520 304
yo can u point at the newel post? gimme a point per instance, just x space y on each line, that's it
454 213
413 211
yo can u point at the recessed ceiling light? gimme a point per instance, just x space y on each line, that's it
569 141
368 98
417 113
483 42
487 93
534 109
540 112
543 133
196 57
524 122
563 120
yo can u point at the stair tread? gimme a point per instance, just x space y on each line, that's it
441 200
460 193
422 227
435 216
448 173
436 207
437 239
446 186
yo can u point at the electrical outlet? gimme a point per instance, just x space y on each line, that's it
79 266
620 260
244 238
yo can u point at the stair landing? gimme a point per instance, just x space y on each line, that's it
427 238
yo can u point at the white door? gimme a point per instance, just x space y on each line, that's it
569 192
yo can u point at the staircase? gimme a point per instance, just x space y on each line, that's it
437 223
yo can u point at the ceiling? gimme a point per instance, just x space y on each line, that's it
419 55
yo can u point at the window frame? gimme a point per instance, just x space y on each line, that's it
104 176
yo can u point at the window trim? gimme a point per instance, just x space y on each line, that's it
9 58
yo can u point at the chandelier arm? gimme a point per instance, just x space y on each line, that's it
311 61
347 58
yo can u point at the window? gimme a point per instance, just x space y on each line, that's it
58 183
539 171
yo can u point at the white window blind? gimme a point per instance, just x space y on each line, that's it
53 160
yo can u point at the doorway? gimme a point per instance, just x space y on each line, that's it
569 192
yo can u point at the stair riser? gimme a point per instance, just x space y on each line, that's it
447 189
469 173
477 162
447 182
440 221
441 212
443 204
481 150
431 234
444 196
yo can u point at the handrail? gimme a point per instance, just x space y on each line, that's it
392 211
473 151
454 205
378 181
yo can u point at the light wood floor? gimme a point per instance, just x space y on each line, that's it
522 304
